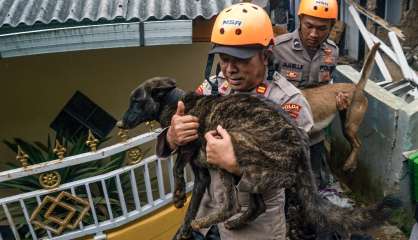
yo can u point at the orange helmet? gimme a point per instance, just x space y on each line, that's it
243 24
319 8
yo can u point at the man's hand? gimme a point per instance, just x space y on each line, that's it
183 128
342 100
220 152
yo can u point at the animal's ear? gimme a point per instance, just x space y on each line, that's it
162 86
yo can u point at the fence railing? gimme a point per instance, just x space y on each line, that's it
108 200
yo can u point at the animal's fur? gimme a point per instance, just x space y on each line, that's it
323 104
270 150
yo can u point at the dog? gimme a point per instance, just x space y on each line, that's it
270 149
322 100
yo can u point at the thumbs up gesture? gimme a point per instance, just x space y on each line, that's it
183 128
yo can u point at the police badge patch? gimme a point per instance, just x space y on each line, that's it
292 109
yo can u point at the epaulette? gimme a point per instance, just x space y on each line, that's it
285 85
282 38
330 42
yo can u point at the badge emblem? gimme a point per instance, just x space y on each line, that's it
291 75
296 44
261 89
292 109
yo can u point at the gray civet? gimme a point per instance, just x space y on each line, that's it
271 150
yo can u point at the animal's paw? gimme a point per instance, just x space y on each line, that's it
179 198
197 224
350 165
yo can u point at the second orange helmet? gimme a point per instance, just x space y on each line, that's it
319 8
243 24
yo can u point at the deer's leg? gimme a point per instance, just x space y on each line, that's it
229 208
354 119
256 207
350 163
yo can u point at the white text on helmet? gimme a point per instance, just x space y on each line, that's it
322 2
232 22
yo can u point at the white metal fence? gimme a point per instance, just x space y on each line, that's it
115 198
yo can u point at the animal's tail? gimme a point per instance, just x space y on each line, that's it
367 68
325 217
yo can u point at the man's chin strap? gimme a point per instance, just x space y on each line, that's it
271 68
208 70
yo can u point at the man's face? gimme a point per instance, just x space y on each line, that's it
243 74
314 30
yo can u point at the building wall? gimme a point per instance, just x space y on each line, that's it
34 89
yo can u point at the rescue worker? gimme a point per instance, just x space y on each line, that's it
307 58
242 35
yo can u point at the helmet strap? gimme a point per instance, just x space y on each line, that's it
209 64
271 67
270 71
208 70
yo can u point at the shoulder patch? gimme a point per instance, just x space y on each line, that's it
292 109
282 38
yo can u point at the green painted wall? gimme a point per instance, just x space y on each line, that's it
35 88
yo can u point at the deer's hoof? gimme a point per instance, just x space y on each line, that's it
350 167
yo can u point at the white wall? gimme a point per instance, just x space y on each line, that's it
352 33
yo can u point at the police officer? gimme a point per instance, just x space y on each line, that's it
243 38
307 58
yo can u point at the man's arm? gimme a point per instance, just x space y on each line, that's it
220 151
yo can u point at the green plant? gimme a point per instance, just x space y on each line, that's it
39 152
